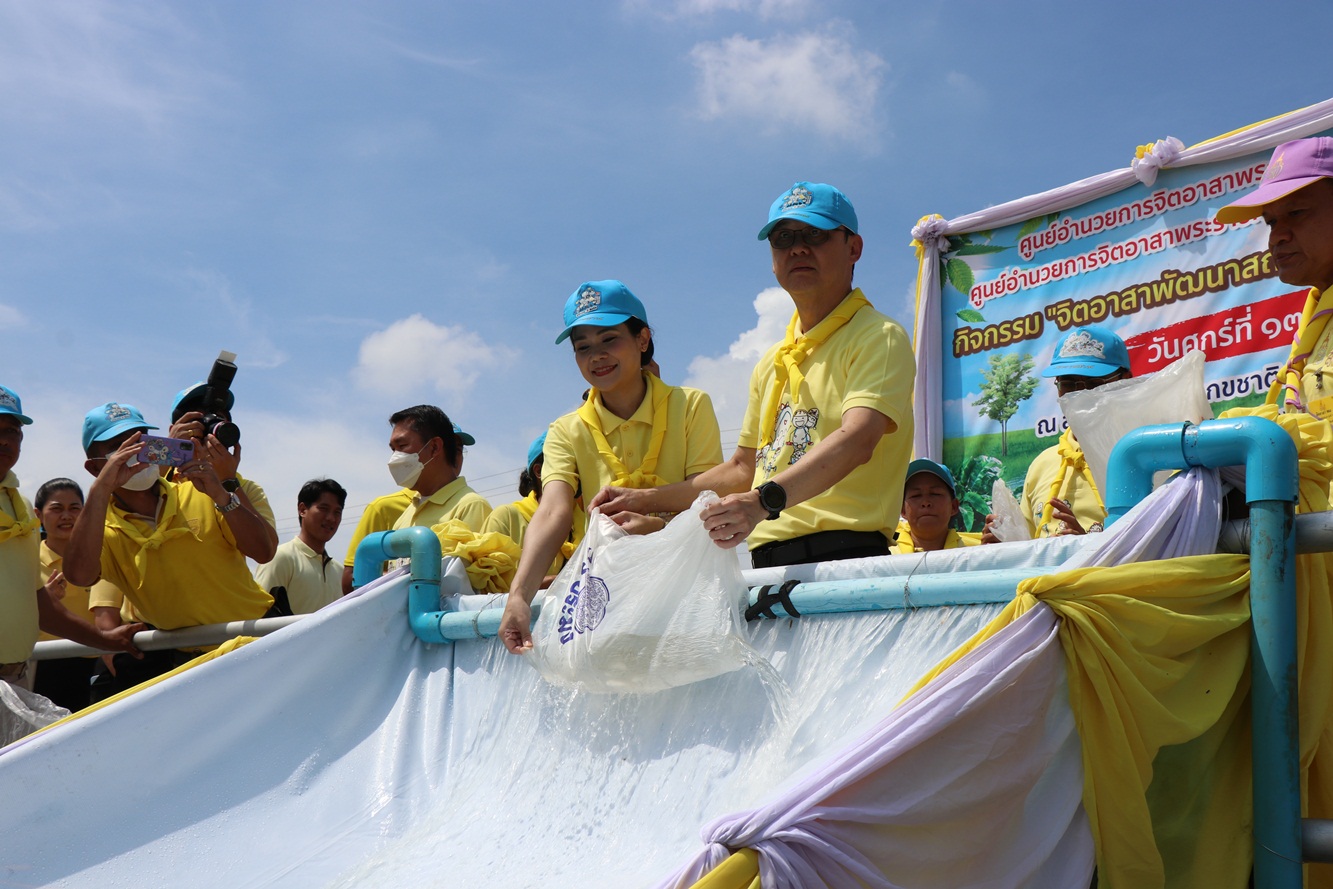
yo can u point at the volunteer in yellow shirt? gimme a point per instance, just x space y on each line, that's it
633 430
819 467
428 458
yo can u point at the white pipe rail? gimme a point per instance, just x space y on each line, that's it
158 640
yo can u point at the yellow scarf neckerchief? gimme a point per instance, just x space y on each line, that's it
643 477
1071 457
24 522
1314 318
161 533
527 507
794 350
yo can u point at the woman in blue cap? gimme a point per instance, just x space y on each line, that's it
632 431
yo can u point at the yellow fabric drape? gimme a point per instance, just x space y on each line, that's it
644 476
23 523
491 558
1071 457
740 870
794 350
1314 318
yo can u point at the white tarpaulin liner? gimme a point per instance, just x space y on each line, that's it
342 751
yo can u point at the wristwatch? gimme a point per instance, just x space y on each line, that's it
773 498
231 484
232 504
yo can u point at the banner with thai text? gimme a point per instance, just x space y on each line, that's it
1150 264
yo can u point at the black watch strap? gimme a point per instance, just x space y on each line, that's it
231 485
772 497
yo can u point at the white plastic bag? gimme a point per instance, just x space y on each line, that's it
1101 417
643 613
1009 524
23 712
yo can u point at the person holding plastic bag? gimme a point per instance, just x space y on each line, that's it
632 431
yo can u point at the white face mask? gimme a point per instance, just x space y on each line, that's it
406 468
143 479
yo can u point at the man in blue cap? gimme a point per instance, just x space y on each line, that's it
819 468
26 605
176 549
1059 494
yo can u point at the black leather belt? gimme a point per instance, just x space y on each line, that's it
822 546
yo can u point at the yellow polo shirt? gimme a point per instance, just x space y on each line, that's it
1042 473
510 521
867 362
454 502
78 599
194 576
379 515
954 540
1317 377
19 579
693 443
311 580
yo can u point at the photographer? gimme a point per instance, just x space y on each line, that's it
204 402
177 550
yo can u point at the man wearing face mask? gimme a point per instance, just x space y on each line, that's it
177 549
428 458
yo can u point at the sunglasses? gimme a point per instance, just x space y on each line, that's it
1080 384
783 238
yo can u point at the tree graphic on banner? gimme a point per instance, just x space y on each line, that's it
1005 383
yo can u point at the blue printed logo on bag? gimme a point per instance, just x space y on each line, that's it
585 605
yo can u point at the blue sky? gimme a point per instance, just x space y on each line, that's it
379 204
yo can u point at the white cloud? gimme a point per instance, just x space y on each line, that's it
394 361
727 377
814 82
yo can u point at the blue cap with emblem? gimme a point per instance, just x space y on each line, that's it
535 449
109 420
1088 352
11 406
820 205
601 304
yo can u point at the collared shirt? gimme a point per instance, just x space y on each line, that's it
19 580
868 362
1074 489
312 580
453 502
693 443
379 515
77 598
953 540
192 575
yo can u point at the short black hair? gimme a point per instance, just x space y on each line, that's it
429 422
312 490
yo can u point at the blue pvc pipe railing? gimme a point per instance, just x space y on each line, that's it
423 588
1271 485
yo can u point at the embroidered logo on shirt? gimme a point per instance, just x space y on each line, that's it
791 429
1083 345
588 300
800 197
117 412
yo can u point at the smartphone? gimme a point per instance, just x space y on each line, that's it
166 451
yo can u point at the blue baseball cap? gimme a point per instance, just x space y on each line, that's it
535 449
178 407
939 470
1088 352
823 206
601 304
466 439
10 404
109 420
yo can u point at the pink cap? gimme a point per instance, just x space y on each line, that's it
1294 165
